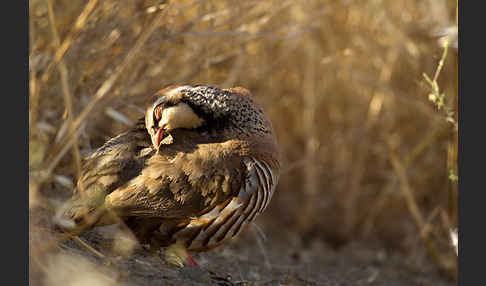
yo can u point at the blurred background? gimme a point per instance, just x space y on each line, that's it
368 143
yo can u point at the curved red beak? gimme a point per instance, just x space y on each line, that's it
158 136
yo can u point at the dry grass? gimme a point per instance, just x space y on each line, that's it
366 154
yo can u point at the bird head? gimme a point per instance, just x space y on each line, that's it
169 112
203 108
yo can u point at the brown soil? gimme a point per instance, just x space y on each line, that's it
281 259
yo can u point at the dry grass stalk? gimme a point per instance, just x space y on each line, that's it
33 89
86 246
312 143
101 92
68 114
64 46
260 238
353 65
405 186
449 110
412 206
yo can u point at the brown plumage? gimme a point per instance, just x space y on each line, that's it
199 167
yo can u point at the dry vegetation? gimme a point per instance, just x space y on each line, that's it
369 146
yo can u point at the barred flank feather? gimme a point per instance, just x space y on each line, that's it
227 219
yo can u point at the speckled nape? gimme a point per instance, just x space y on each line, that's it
219 104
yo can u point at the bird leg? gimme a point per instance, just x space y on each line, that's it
176 255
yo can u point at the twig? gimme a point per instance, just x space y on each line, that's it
405 186
101 92
260 237
441 62
86 246
77 27
428 225
34 100
377 207
309 114
424 144
411 202
435 96
33 88
65 88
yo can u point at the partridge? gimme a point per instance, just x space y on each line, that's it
199 167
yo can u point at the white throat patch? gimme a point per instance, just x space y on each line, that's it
179 116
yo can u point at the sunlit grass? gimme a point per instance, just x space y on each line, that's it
368 140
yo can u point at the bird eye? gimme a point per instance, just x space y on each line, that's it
158 112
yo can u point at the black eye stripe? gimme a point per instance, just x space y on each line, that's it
160 107
169 104
166 104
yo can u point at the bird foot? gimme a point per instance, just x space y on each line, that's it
177 255
191 262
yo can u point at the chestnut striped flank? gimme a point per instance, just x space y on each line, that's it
227 219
